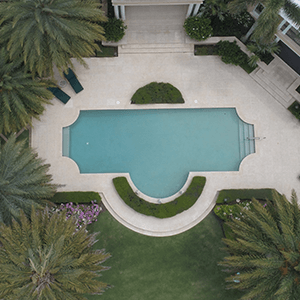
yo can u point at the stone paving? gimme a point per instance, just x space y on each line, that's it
109 83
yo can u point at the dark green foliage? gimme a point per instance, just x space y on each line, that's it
106 51
166 210
198 28
298 89
21 97
157 93
46 33
114 29
244 194
75 197
206 50
264 260
24 181
232 25
47 258
295 109
231 53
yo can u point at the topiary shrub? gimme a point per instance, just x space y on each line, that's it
114 29
157 93
231 53
295 109
198 28
165 210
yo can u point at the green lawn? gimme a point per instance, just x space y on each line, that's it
182 267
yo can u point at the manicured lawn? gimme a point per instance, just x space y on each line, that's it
182 267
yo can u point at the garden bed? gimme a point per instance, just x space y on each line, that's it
295 109
164 210
75 197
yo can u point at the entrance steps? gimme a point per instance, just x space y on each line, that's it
246 138
156 48
280 94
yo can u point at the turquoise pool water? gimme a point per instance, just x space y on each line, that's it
158 147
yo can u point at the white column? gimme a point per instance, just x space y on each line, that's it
189 11
122 7
246 36
197 6
287 29
116 9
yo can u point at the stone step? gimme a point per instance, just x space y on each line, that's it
280 95
156 48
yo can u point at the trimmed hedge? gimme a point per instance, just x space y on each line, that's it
75 197
157 92
198 28
295 109
244 194
164 210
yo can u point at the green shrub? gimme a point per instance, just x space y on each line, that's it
198 28
75 197
157 93
231 53
232 25
230 196
114 29
166 210
295 109
206 50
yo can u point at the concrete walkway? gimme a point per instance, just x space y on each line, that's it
109 83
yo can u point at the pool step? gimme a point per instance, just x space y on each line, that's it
246 135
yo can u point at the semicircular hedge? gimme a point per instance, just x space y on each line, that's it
157 92
163 210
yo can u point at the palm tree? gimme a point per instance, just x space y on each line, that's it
265 253
45 258
23 180
269 19
21 97
50 32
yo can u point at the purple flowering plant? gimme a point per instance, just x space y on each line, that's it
83 214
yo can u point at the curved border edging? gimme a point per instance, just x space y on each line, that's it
162 210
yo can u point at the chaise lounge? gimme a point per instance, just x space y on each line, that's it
71 77
59 94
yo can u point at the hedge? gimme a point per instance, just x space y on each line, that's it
75 197
164 210
157 92
244 194
295 109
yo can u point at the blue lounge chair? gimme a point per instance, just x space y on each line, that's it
59 94
71 77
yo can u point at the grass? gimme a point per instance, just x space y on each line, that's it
182 267
107 51
157 92
205 50
165 210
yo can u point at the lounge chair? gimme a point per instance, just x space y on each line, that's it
71 77
59 94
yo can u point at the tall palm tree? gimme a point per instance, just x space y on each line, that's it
47 32
265 253
23 181
21 97
268 21
45 258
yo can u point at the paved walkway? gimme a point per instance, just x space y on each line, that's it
109 83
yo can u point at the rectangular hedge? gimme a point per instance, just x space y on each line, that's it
75 197
165 210
244 194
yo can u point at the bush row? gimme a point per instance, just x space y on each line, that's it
75 197
165 210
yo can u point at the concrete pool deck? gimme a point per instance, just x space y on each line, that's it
109 83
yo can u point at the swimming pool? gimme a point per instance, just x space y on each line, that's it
158 147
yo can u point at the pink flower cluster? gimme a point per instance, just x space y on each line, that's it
84 214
